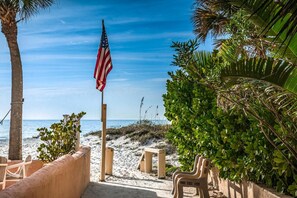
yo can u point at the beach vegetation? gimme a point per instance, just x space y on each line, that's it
259 74
143 133
144 119
13 12
59 139
238 126
140 108
170 169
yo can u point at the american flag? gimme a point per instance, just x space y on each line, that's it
103 63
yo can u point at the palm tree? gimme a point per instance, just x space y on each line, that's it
265 82
275 30
212 16
277 20
12 12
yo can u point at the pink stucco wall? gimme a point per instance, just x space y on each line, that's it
243 190
66 177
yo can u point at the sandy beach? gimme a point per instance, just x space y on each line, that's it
126 177
125 161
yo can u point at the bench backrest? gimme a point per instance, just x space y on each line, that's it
198 165
204 168
26 166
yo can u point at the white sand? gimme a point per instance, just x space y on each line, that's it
125 173
125 161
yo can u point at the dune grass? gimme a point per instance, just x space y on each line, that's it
137 132
143 133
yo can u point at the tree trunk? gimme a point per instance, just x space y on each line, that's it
15 135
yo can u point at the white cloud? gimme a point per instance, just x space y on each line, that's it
136 56
130 36
53 91
158 79
118 80
46 41
44 57
127 20
28 42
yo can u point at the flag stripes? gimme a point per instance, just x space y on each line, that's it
103 63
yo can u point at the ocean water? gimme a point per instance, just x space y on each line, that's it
30 126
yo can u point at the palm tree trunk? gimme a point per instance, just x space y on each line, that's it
15 136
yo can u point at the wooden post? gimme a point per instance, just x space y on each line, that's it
103 143
148 162
161 164
109 161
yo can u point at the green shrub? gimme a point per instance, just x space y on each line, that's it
170 170
60 139
232 139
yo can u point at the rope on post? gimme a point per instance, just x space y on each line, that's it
1 122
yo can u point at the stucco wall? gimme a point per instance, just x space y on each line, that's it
243 190
66 177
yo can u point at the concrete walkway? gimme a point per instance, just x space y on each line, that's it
111 190
121 189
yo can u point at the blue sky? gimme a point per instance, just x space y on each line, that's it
59 47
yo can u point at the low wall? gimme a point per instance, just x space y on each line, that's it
66 177
243 190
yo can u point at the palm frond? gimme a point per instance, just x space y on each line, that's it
278 22
23 9
211 17
203 58
31 7
206 21
229 51
277 72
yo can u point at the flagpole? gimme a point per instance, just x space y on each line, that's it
102 68
103 140
102 102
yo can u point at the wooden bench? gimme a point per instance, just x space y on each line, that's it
193 180
145 162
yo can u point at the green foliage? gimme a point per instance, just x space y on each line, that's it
277 72
170 169
59 139
233 140
277 21
259 51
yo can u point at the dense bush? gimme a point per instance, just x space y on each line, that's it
232 141
60 139
230 138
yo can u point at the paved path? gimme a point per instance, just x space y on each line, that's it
111 190
121 189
